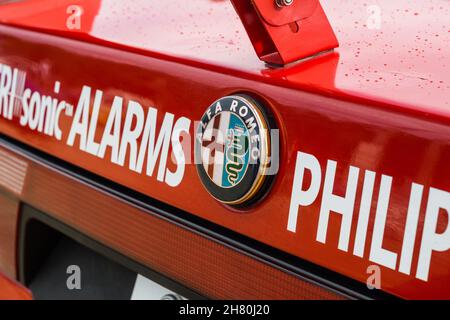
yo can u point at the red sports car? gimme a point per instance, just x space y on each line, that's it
225 149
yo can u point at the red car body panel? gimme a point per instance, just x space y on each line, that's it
379 102
402 64
10 290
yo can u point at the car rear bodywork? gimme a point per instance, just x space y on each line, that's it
372 116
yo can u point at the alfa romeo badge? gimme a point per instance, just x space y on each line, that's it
233 150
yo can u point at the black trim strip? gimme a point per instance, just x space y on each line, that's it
243 244
28 213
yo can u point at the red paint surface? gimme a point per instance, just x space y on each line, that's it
9 209
404 63
377 103
10 290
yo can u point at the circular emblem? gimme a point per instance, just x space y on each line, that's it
233 150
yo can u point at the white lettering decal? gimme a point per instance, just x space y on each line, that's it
435 236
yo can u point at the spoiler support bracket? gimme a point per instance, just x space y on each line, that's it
282 34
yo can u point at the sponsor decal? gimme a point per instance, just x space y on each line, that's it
136 144
233 147
306 194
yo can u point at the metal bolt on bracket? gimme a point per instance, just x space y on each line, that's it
284 3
